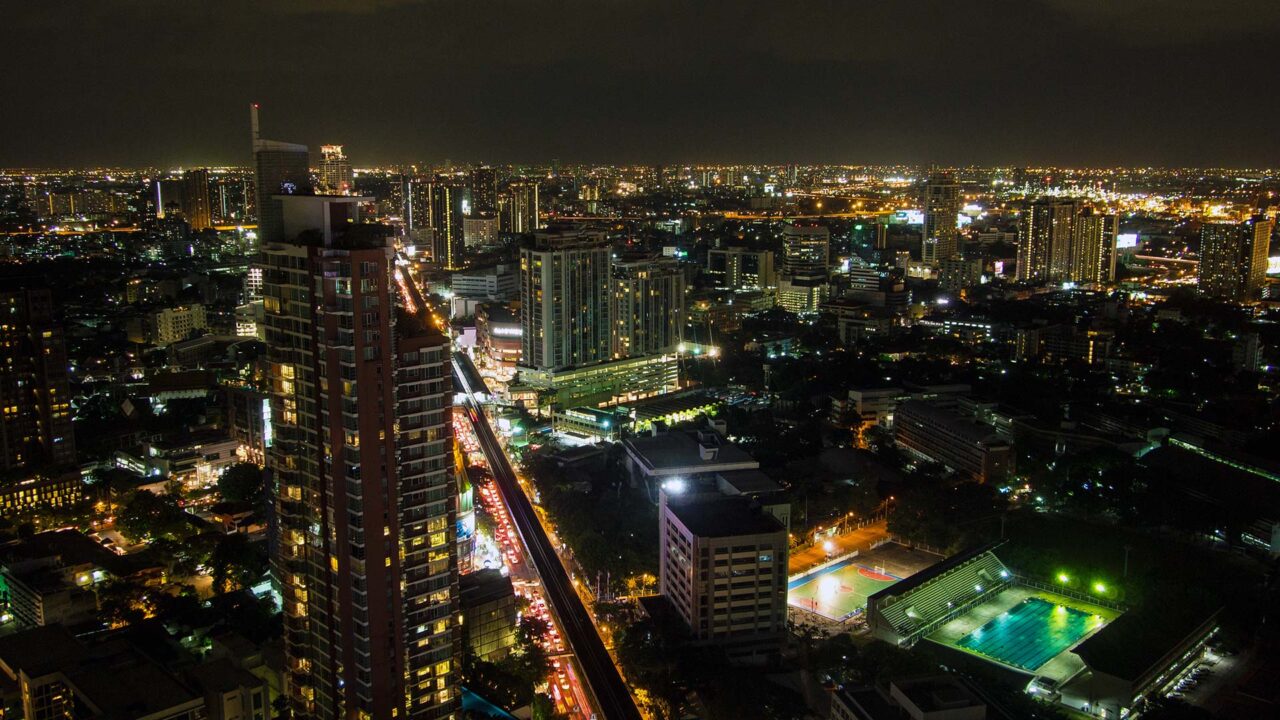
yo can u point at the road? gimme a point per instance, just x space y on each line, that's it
860 539
606 685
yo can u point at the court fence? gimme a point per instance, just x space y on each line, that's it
823 566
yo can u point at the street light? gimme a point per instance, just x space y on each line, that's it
1099 588
1062 578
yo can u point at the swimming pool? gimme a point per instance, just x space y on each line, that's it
1031 633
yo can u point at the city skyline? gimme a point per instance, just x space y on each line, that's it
1049 82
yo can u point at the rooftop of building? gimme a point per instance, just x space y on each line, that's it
484 586
110 673
670 404
498 313
687 451
937 692
723 517
748 482
1134 643
74 548
970 429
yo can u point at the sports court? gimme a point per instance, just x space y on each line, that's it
838 591
1027 629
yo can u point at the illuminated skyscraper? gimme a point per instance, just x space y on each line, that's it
1045 232
518 208
449 203
35 399
806 253
648 307
280 168
484 190
1093 247
362 459
195 199
564 299
336 177
941 208
1233 259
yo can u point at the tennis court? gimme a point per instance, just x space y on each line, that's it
838 591
1031 633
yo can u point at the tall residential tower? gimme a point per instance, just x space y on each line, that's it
941 239
363 468
1233 258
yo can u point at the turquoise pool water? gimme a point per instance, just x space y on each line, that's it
1031 633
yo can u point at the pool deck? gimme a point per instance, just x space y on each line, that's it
1060 667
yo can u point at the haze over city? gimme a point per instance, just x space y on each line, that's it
1038 82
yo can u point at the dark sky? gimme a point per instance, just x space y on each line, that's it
1073 82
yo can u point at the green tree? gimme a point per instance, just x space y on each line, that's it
236 562
242 482
147 515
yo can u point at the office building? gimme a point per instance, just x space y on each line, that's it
806 250
484 190
723 568
564 299
939 434
1233 259
448 206
518 208
957 273
196 207
362 457
490 613
35 397
941 239
648 307
336 176
480 231
494 282
280 168
1045 231
738 268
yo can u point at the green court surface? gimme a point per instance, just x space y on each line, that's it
1031 633
838 591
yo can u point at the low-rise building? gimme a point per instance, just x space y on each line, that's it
49 673
605 383
935 697
489 612
962 443
40 490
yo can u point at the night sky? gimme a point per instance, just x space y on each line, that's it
1072 82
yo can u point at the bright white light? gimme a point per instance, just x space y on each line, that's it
944 301
675 486
828 587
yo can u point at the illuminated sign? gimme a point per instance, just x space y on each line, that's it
1126 240
505 331
1273 266
910 217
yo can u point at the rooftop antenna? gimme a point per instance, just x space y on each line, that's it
253 123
